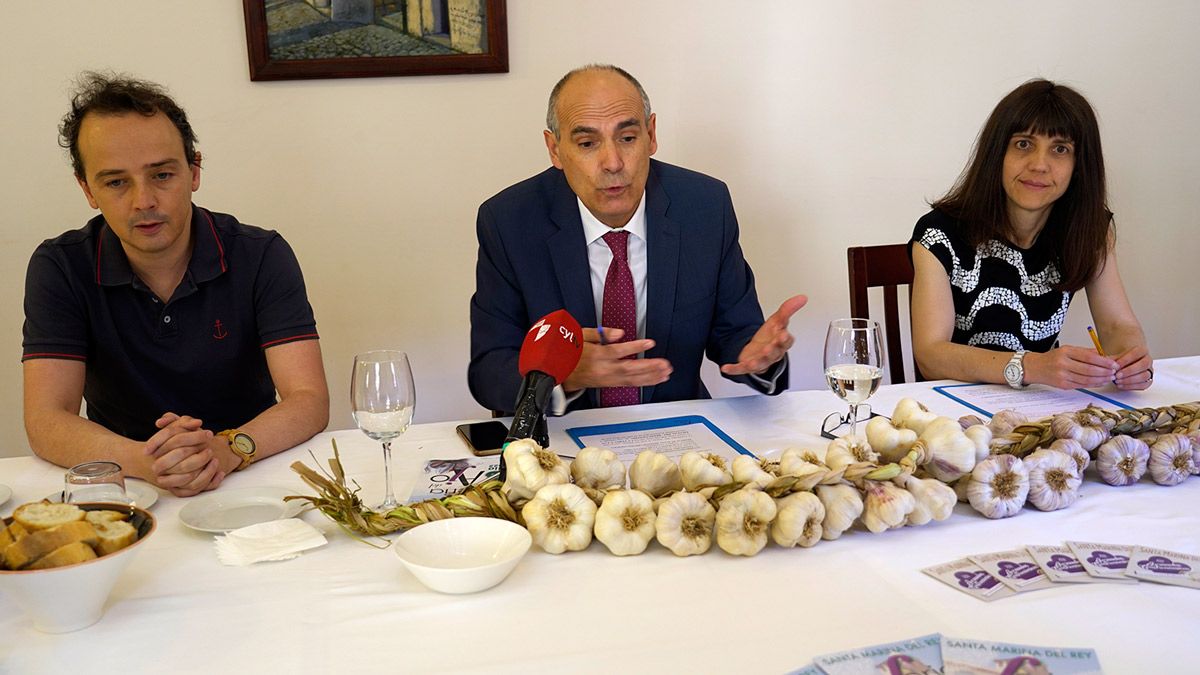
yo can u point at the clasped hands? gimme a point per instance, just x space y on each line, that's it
1070 367
185 461
610 365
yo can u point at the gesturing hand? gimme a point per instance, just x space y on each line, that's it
608 365
770 343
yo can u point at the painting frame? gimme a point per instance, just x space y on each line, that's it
265 68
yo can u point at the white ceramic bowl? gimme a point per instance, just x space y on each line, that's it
65 599
462 555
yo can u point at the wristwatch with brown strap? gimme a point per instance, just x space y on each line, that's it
242 445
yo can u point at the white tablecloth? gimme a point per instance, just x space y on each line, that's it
347 607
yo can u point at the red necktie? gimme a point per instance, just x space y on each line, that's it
620 311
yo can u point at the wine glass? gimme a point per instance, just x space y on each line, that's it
853 362
382 396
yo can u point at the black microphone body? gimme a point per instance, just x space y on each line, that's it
529 416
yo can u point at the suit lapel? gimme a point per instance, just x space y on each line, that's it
568 253
662 254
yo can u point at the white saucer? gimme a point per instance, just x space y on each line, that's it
223 510
5 493
144 494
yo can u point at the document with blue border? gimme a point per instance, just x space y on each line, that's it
1036 401
670 436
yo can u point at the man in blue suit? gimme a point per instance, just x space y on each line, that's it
677 279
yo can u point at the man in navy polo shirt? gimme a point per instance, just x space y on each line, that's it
177 325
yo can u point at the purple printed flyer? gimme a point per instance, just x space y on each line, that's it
1106 561
1164 567
968 577
1015 569
1061 565
916 656
977 657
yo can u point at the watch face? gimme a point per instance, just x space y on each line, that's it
243 443
1012 373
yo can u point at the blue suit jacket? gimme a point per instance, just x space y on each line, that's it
533 260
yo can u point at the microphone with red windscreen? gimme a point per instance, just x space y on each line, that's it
549 354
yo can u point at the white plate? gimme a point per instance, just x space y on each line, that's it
5 493
228 509
144 494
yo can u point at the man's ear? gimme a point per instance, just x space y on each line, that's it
552 148
195 175
87 192
652 133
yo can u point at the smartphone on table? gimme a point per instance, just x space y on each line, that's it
484 438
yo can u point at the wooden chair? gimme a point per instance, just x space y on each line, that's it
890 267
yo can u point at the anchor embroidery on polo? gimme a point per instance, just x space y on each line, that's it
219 331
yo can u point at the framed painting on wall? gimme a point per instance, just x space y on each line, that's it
310 39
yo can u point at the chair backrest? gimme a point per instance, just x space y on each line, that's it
890 267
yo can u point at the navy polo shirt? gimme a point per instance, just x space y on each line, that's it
199 354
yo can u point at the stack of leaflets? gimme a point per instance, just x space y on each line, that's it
991 576
939 655
445 477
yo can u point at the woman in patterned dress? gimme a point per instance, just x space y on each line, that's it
999 258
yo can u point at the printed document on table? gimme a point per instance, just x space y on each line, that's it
671 436
1037 401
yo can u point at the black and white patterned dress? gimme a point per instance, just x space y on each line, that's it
1003 295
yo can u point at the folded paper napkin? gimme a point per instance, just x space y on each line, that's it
270 541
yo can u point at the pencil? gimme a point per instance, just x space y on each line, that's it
1096 341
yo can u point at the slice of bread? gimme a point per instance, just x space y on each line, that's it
12 534
75 552
114 535
44 515
31 548
97 517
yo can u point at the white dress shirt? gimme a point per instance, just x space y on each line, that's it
599 258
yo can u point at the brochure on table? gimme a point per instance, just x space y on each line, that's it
1037 401
671 436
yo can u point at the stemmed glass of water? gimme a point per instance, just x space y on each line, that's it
382 396
853 362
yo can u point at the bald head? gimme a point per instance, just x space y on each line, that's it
552 113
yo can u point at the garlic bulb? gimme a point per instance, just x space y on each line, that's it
981 436
1054 479
746 469
1005 421
625 522
1194 437
886 506
1122 460
843 452
530 468
703 470
685 523
944 450
654 474
743 521
843 505
999 485
803 466
810 455
1072 448
911 414
598 468
934 500
798 520
888 440
560 518
960 487
1081 426
1171 459
968 421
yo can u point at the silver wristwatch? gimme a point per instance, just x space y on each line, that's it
1014 371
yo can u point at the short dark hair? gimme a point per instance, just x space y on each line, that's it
552 114
109 94
1080 221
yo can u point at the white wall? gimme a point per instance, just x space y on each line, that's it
832 122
